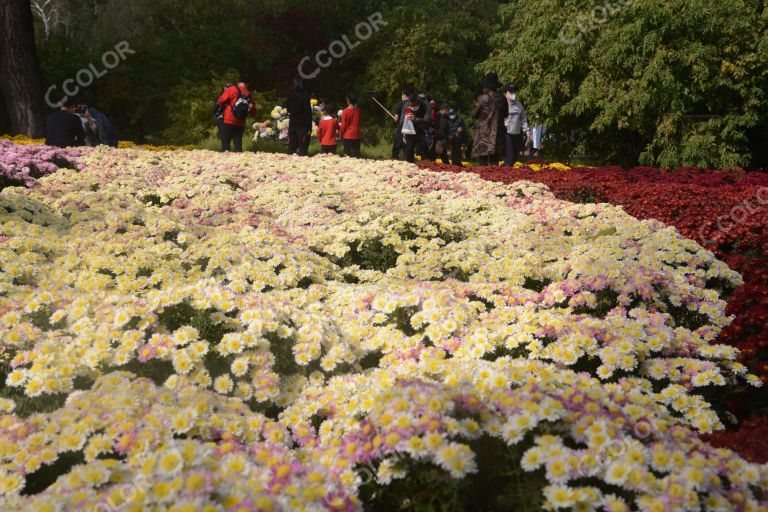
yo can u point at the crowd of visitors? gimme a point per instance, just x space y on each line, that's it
422 127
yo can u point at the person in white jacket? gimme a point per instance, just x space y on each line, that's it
536 140
516 123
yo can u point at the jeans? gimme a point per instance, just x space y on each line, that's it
514 149
352 148
232 134
328 150
298 140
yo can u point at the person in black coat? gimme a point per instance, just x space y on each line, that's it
398 142
459 137
443 134
300 119
64 128
418 113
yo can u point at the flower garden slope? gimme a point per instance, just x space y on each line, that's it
21 165
274 282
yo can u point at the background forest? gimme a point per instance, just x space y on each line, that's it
623 81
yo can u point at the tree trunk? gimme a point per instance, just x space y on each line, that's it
20 80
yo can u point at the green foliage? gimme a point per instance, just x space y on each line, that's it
189 107
626 81
663 83
499 484
434 46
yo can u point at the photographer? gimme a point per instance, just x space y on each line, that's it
218 113
97 126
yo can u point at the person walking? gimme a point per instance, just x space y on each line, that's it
516 124
299 108
489 112
238 104
398 142
459 137
443 134
327 132
349 131
64 128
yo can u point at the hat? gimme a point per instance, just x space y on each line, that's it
423 97
491 81
444 106
511 88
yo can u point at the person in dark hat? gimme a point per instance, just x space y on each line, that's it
516 124
398 143
489 112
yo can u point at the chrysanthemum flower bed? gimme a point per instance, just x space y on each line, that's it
726 211
185 330
23 164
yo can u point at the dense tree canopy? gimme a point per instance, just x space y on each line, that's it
666 83
627 81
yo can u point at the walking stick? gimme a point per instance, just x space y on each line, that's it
370 94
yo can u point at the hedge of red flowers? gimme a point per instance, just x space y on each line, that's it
750 441
726 211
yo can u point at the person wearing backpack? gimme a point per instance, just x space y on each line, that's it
237 104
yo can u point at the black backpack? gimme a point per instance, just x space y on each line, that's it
242 106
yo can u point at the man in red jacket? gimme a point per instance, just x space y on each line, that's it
327 131
350 128
237 103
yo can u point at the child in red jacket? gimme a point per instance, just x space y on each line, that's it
327 132
350 128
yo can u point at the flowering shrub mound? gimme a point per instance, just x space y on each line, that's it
22 139
124 144
23 164
751 440
725 211
340 333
